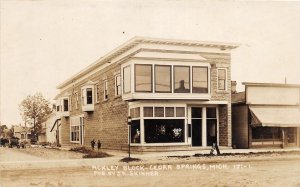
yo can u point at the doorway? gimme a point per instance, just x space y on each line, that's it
196 126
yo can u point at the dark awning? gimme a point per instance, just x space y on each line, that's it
275 116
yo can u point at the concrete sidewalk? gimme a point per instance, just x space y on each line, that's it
149 157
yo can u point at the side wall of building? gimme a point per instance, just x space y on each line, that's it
240 128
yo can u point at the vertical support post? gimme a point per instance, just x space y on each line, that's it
204 138
129 134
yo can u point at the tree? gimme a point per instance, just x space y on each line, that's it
34 110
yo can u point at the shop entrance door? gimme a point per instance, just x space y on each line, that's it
196 126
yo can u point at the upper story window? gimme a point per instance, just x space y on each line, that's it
126 80
87 97
97 93
222 76
143 78
162 79
200 80
118 85
181 79
65 105
76 100
105 89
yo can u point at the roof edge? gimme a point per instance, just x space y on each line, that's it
270 84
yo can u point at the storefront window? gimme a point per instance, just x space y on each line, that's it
266 133
200 80
164 130
211 126
135 131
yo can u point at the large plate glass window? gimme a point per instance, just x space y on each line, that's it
181 79
162 79
143 78
200 80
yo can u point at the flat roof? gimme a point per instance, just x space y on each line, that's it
270 84
138 40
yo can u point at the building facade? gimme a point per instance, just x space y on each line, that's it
177 93
266 115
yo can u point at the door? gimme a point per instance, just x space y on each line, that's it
196 126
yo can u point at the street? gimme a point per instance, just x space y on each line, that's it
282 170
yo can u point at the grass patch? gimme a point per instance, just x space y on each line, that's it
129 159
96 155
89 153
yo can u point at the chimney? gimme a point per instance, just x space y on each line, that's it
233 86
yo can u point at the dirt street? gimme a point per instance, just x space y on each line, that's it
281 170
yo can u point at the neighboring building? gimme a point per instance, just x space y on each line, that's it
52 128
177 93
23 133
266 115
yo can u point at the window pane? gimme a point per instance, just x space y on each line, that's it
200 83
164 130
66 105
143 78
132 112
169 111
163 79
148 111
159 111
181 79
180 112
135 132
137 112
196 112
211 113
126 80
89 96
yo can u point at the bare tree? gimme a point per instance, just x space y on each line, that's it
35 109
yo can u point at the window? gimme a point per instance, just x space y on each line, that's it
105 89
126 80
164 130
135 112
57 108
97 93
75 133
135 131
211 125
162 79
200 80
159 111
221 79
181 79
89 96
75 129
76 100
66 105
148 111
117 85
170 112
143 78
70 102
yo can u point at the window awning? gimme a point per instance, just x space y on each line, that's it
275 116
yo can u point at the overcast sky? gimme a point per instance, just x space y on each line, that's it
44 42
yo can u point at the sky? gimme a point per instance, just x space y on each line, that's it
44 42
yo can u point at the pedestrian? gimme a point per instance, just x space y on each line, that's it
93 144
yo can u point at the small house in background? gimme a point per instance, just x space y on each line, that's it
23 133
266 115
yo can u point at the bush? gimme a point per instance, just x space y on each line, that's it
96 155
129 159
81 150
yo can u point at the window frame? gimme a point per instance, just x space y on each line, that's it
105 90
225 80
117 93
151 84
207 76
189 77
123 80
155 79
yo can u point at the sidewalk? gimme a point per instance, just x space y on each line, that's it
147 158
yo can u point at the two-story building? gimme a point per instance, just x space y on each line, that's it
177 93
